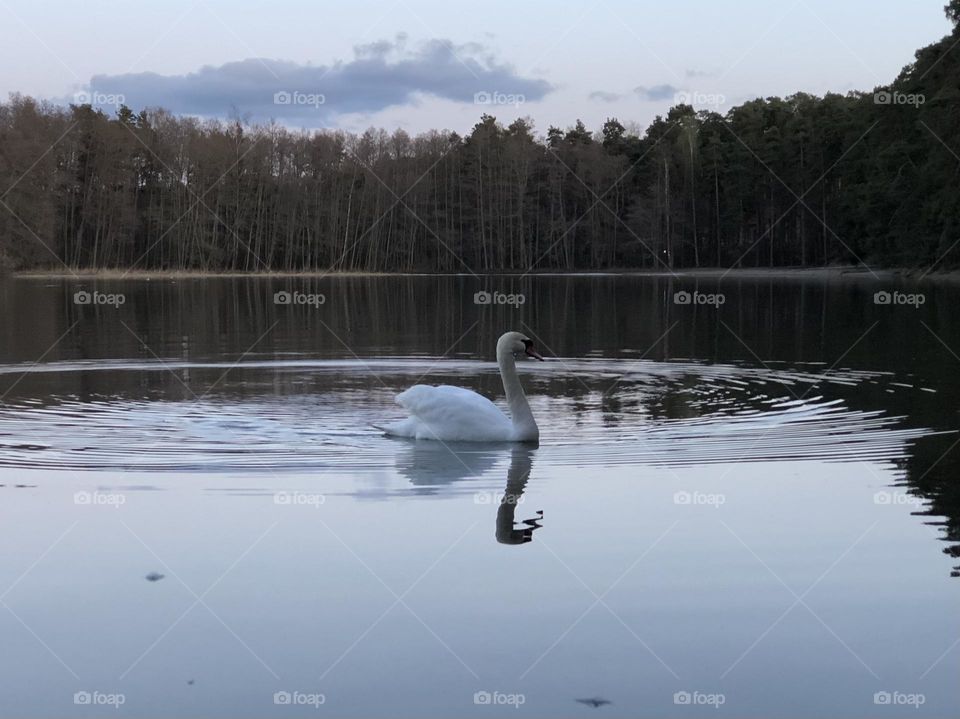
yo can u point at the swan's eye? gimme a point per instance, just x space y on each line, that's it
527 344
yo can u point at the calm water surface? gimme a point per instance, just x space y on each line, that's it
749 510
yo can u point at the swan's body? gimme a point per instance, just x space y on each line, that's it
455 414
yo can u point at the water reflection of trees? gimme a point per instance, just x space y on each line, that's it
932 472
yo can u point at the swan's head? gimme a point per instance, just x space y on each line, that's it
518 345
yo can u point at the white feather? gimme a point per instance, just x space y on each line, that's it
451 414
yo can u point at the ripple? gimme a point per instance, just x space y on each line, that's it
592 411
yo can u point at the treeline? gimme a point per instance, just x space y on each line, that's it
802 180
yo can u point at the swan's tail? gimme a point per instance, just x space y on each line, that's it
402 428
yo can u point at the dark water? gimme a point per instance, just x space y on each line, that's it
744 510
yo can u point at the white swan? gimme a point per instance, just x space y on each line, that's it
455 414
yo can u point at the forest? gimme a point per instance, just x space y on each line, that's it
866 177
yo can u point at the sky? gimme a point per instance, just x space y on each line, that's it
420 65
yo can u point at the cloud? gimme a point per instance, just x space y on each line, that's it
700 73
603 96
381 74
657 92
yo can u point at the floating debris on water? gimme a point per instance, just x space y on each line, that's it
594 702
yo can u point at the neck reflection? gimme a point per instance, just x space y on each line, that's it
509 531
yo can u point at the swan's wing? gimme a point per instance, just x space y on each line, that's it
450 413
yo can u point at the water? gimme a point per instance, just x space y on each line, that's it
747 511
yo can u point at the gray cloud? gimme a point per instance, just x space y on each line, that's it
603 96
657 92
381 74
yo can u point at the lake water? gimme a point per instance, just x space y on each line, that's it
746 509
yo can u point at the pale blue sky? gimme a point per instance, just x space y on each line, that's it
569 59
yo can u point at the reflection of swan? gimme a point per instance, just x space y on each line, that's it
457 414
521 461
430 464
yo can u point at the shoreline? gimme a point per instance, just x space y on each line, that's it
817 273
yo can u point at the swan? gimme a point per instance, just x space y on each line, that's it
455 414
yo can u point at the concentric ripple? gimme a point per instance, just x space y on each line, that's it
309 415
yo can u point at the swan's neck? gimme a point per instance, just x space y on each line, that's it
523 422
